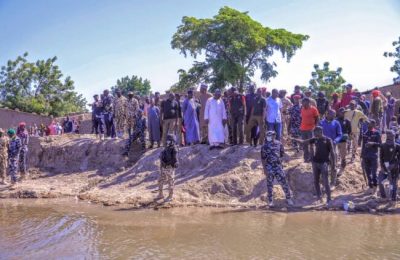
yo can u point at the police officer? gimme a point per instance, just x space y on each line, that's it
23 135
14 149
271 154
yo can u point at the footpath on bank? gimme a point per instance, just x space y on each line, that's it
88 169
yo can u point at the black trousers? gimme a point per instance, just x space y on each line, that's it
371 168
236 122
108 121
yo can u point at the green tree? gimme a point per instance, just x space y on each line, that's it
326 80
234 46
134 84
38 87
396 55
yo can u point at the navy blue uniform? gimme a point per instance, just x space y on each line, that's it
271 154
138 133
14 149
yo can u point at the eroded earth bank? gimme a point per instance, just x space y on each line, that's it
84 168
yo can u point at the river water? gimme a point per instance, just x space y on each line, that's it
43 229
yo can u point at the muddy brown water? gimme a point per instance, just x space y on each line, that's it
40 229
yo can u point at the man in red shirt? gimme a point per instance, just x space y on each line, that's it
348 96
335 105
309 120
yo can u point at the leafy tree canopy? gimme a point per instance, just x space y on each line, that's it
396 55
38 87
234 46
326 80
135 84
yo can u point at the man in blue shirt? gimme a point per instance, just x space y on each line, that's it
331 128
273 114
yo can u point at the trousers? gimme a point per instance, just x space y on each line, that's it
371 168
108 121
278 174
169 127
307 148
321 170
13 167
236 124
277 128
133 136
167 176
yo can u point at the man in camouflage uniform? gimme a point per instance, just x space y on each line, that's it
271 154
14 149
132 105
119 112
138 133
23 135
3 156
168 165
286 105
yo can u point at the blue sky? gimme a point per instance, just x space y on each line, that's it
97 42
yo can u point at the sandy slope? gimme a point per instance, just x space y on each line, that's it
85 168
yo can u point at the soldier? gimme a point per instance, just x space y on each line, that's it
138 133
14 148
119 112
23 135
3 156
271 154
286 105
168 165
132 105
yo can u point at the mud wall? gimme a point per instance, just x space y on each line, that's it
75 153
11 118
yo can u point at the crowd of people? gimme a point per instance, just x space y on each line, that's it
66 126
328 131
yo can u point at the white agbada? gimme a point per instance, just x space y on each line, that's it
215 112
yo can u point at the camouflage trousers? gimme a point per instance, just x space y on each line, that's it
119 122
13 168
133 136
167 176
278 174
3 167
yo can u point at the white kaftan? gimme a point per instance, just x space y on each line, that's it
215 112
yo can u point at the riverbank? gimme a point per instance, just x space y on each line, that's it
91 170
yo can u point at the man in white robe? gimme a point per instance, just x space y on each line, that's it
215 117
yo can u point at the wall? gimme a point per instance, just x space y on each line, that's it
11 118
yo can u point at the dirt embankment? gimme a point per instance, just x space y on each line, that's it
93 170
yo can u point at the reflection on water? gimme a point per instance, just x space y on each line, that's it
35 230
